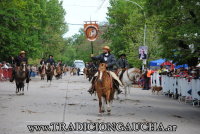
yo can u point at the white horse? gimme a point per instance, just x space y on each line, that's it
131 76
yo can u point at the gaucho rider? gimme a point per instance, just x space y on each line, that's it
122 64
109 59
17 61
51 60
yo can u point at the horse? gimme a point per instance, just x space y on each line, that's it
104 88
49 72
58 72
19 77
86 72
42 71
92 72
73 71
65 70
131 76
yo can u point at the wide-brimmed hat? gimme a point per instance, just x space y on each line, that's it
106 48
22 52
122 55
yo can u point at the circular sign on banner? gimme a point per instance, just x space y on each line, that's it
91 31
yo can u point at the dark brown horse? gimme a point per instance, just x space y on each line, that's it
19 77
49 72
104 88
42 71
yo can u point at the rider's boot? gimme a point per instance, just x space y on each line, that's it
116 85
91 90
118 91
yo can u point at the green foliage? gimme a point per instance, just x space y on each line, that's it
178 22
126 30
35 26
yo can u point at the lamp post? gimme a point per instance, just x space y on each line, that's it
145 28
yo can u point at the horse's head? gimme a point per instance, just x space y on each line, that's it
23 66
136 75
48 65
102 69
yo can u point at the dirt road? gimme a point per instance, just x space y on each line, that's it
67 100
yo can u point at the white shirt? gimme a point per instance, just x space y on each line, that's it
105 57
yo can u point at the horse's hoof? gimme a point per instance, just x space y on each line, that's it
22 93
100 114
108 111
102 111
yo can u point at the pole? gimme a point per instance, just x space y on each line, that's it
92 47
145 28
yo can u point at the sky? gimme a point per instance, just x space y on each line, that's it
78 11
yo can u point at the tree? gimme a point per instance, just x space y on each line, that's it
35 26
126 30
178 23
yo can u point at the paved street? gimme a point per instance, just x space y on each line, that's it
68 100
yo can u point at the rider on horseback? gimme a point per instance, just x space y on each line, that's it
17 61
109 59
122 64
51 60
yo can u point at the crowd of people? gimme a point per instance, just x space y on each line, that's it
189 73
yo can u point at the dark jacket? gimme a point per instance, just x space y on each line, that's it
122 63
111 61
18 60
51 61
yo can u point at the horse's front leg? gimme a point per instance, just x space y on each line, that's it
129 91
22 89
108 102
103 106
100 106
100 103
125 88
17 89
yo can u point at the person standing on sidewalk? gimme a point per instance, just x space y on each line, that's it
147 77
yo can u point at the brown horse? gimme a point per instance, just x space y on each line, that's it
104 88
20 76
58 72
86 72
65 70
73 71
49 72
42 71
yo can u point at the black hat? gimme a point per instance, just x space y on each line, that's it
123 55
